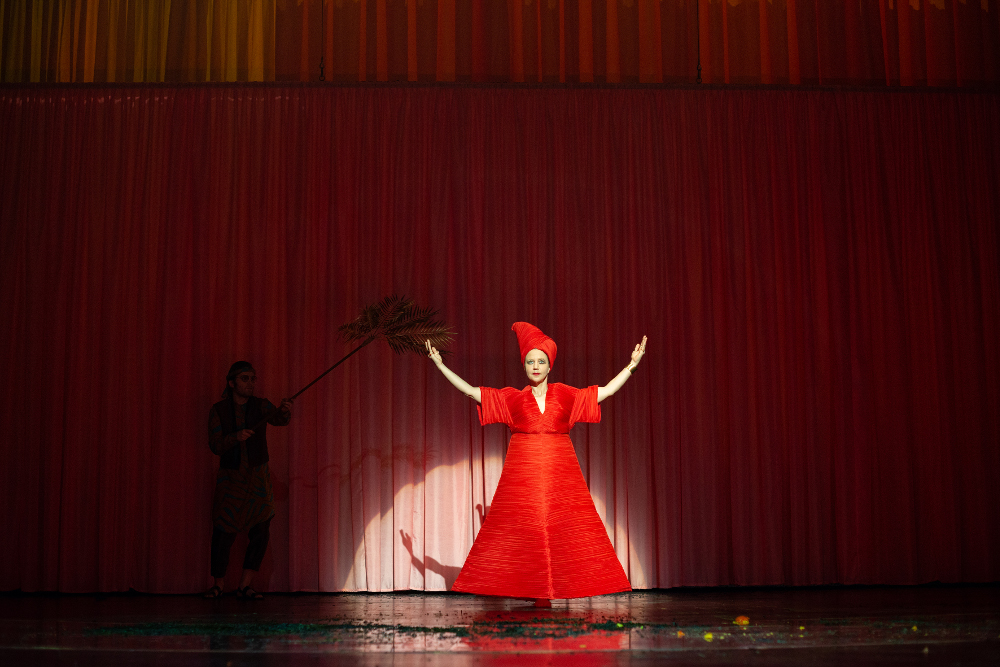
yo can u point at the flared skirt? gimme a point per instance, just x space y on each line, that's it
542 537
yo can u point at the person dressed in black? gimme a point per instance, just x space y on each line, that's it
244 499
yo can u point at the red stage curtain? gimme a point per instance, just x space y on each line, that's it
818 274
870 42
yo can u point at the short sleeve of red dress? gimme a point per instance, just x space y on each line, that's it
585 407
493 409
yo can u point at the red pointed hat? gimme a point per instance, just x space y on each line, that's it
530 337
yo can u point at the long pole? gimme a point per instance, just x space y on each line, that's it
321 375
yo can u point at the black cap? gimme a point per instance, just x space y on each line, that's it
238 368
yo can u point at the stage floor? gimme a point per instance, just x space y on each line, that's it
925 625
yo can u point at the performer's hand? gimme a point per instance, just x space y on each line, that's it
432 352
244 435
286 406
639 350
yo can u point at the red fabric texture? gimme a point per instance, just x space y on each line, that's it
817 271
530 337
868 42
542 537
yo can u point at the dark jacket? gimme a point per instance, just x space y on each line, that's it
257 443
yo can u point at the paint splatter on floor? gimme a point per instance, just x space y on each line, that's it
956 624
835 631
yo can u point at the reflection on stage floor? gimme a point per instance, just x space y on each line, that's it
927 625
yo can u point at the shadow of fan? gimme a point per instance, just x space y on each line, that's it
449 572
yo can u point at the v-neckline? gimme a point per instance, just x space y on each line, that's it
535 400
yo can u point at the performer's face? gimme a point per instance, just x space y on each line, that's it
243 384
536 365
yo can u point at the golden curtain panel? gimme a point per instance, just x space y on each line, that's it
880 42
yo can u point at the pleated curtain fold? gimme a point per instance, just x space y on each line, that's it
817 271
870 42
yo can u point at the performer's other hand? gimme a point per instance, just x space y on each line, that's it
432 352
639 350
244 435
286 406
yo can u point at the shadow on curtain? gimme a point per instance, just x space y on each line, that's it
817 273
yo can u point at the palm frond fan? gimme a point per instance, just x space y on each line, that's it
397 320
401 323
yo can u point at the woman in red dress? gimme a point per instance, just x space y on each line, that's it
543 538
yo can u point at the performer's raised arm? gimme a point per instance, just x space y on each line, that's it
472 392
620 379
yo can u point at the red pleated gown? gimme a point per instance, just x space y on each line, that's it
542 537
